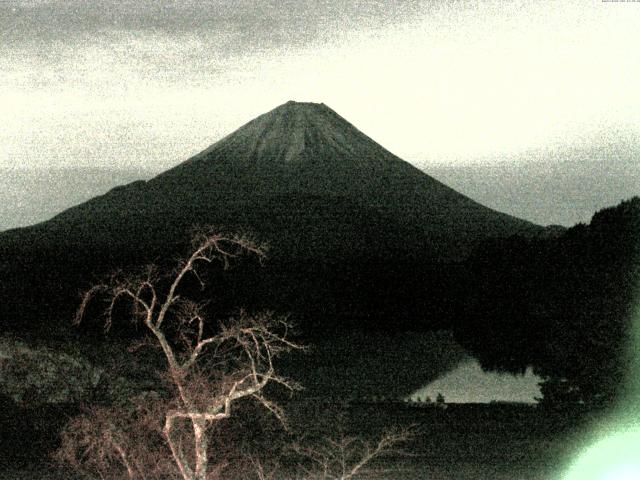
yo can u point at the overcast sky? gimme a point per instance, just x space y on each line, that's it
146 83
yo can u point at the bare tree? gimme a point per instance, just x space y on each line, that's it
345 457
208 367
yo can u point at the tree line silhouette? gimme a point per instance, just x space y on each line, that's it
562 305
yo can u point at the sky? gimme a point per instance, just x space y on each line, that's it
144 84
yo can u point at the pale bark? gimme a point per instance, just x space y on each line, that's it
345 458
250 343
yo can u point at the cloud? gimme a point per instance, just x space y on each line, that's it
258 23
154 81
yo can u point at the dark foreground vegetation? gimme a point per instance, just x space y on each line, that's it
463 441
563 305
560 304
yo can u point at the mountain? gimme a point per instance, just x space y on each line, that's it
301 161
352 227
301 150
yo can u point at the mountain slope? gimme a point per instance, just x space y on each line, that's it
298 150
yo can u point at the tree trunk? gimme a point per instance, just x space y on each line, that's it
176 451
200 437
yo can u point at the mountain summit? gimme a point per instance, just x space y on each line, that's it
297 134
